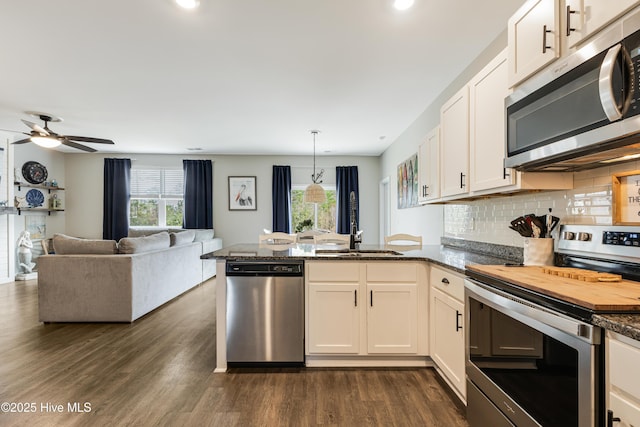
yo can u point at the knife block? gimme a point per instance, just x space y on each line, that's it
538 251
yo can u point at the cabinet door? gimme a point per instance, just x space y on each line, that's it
447 339
488 90
454 144
512 338
623 382
334 325
533 33
597 13
429 164
392 318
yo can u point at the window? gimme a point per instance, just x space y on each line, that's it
305 217
156 198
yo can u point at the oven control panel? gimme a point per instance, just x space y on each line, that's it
620 238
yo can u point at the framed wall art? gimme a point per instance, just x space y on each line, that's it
408 183
626 198
242 193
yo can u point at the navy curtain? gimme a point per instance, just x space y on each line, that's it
117 191
281 198
346 182
198 194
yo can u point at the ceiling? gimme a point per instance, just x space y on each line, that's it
236 76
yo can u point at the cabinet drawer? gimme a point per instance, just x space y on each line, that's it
447 281
620 356
321 271
625 409
392 272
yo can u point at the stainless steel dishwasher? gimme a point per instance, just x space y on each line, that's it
265 312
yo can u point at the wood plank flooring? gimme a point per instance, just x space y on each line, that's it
158 371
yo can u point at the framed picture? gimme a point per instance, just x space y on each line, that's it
626 198
408 183
242 193
36 225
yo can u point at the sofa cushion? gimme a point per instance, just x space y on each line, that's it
67 245
147 231
135 245
203 235
182 237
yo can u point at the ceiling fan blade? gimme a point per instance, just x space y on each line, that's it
14 131
22 141
35 127
89 139
68 143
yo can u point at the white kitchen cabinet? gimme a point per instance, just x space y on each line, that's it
534 38
429 167
488 90
366 308
392 318
447 327
333 307
622 383
454 144
583 18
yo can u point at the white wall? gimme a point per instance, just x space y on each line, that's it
84 183
427 221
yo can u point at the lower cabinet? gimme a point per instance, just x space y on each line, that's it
447 327
366 308
622 380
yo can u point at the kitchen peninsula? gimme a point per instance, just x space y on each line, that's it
365 307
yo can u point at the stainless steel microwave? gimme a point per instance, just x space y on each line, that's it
584 111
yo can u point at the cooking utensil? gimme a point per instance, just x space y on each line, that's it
521 226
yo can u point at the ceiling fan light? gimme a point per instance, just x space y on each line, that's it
403 4
188 4
314 193
45 141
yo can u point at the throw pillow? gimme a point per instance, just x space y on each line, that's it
135 245
182 237
67 245
204 234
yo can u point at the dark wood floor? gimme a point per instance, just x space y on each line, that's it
159 372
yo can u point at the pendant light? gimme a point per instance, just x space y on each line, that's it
314 193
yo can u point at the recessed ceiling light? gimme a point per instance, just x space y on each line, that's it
403 4
188 4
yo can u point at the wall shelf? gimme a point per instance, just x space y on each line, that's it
20 210
49 188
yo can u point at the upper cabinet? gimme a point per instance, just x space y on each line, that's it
488 89
429 170
454 144
543 30
582 18
533 33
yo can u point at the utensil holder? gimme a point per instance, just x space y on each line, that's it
538 251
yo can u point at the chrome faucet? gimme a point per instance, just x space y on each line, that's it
355 235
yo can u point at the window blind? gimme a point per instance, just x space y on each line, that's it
157 183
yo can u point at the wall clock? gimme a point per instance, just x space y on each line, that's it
34 172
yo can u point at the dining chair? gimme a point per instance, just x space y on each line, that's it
277 238
402 239
334 238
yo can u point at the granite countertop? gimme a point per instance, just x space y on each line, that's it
449 257
625 324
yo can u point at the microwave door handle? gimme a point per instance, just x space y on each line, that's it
605 84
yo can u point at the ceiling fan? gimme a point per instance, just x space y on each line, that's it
45 137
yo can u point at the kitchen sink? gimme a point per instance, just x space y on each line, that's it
356 252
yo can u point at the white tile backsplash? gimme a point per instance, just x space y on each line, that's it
487 220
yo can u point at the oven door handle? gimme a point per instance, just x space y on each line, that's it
526 311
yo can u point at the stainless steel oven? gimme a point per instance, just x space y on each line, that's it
528 365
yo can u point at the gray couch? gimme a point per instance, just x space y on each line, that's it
104 281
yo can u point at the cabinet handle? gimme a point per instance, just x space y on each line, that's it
569 29
355 298
462 183
544 39
371 298
504 173
458 327
445 280
611 419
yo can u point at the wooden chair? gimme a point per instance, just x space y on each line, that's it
331 238
277 238
402 239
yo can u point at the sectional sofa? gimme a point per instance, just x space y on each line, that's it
107 281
